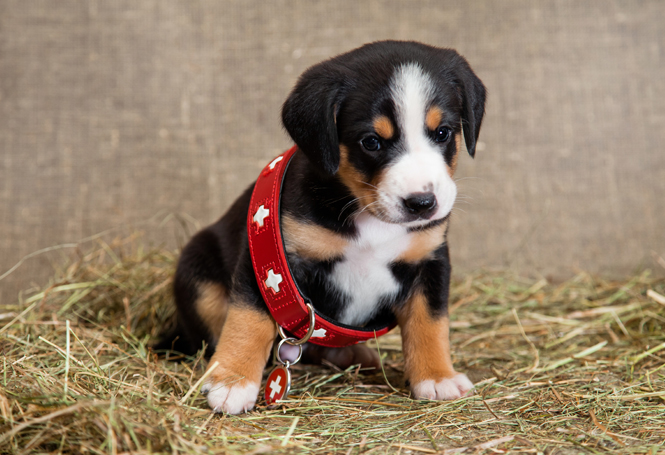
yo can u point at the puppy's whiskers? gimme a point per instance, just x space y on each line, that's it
360 210
348 205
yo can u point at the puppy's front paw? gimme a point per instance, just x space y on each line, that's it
231 397
445 389
234 373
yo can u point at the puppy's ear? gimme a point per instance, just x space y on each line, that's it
309 115
473 104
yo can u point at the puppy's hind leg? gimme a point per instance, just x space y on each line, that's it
241 353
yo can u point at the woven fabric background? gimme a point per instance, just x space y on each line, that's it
113 113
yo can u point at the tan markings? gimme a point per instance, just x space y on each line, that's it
433 118
244 346
366 192
311 241
424 243
211 306
453 163
384 127
425 342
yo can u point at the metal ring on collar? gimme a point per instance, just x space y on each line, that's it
295 342
287 363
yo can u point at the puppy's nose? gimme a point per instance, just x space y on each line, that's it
421 204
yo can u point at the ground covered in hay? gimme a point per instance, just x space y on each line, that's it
573 367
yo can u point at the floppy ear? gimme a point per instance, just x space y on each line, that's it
309 115
473 104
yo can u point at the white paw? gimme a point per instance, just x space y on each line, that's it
446 389
231 399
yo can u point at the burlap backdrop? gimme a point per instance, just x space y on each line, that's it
114 112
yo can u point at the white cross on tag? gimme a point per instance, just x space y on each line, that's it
273 280
274 162
319 333
275 387
260 215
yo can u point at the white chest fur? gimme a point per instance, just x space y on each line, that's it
364 274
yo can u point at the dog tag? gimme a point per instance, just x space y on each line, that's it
278 384
279 379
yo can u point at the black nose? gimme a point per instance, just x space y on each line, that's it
421 204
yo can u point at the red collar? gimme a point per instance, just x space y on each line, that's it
280 291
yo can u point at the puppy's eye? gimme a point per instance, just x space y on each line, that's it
371 143
442 134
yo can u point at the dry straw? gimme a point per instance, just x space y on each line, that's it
573 367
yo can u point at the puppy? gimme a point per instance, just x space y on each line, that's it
365 206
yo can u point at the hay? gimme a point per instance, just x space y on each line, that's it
570 367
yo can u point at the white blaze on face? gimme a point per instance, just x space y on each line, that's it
422 167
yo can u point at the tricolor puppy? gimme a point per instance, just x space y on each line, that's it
364 213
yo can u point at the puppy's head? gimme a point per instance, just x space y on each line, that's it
387 120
